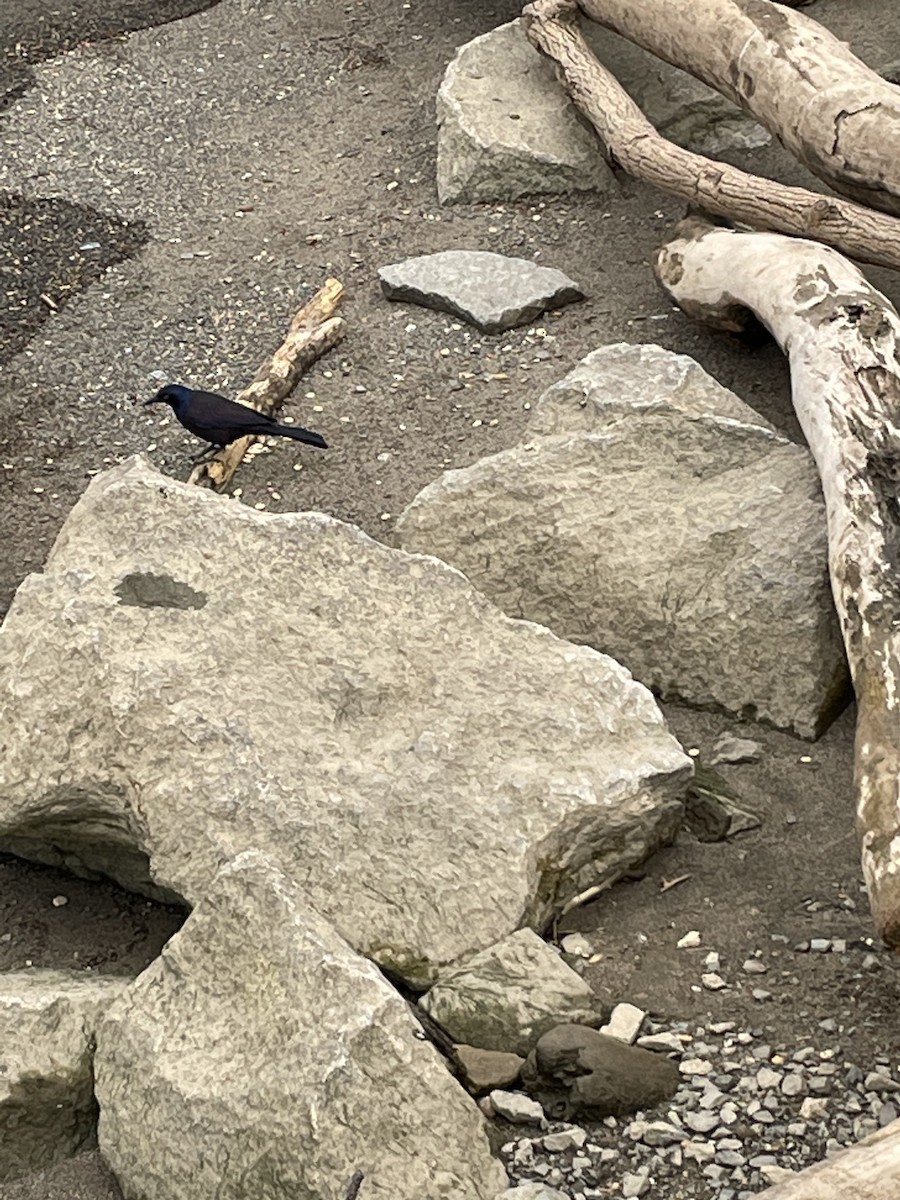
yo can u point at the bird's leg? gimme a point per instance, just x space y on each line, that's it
205 452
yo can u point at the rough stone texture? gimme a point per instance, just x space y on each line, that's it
624 1022
434 773
627 378
492 291
505 997
516 1107
484 1070
506 128
575 1070
689 545
47 1107
531 1191
260 1056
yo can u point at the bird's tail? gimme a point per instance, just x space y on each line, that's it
299 434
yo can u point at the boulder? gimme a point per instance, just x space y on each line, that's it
691 546
575 1070
506 127
505 997
493 292
260 1056
436 774
47 1107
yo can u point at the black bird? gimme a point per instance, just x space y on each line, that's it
220 421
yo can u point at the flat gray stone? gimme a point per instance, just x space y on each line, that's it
424 786
47 1108
729 748
517 1108
484 1070
491 291
259 1055
505 997
689 545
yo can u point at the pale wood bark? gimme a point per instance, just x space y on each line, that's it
635 145
313 330
842 338
836 115
867 1171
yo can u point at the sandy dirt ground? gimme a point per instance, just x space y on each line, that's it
168 197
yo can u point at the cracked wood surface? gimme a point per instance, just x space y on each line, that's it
837 116
634 144
842 338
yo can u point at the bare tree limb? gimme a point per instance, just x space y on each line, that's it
842 338
634 144
835 115
313 330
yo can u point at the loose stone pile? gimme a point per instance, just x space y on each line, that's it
747 1112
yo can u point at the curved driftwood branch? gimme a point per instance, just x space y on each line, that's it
633 143
835 115
842 338
867 1171
313 330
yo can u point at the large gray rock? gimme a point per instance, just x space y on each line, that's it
434 773
689 545
491 291
47 1106
260 1056
505 997
506 127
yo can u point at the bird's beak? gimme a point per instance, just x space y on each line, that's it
157 399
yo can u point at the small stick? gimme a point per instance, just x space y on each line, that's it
314 329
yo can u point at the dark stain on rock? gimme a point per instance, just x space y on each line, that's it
145 590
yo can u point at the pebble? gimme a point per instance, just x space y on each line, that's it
516 1107
713 982
634 1185
690 941
624 1022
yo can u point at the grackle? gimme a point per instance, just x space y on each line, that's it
220 421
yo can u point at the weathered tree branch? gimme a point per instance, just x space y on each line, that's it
313 330
842 338
835 115
867 1171
634 144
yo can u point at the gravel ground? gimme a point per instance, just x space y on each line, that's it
169 199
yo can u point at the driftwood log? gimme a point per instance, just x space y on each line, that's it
842 338
835 115
867 1171
632 143
314 329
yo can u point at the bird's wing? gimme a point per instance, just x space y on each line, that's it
217 410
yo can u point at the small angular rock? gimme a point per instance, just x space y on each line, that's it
516 1107
491 291
484 1070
